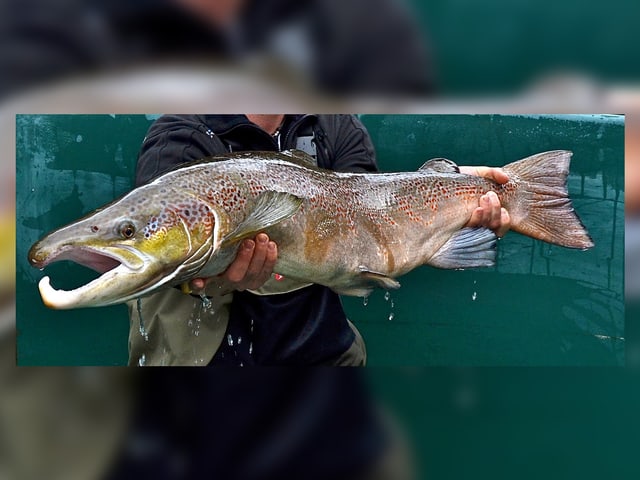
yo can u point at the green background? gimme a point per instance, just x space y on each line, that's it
540 305
499 46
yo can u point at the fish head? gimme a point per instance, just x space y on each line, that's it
150 238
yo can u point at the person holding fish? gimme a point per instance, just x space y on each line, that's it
250 315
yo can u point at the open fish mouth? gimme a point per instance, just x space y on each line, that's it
89 257
100 259
121 268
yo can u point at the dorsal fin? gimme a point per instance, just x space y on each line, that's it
440 165
300 157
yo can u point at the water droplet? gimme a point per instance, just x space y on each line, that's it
387 298
250 348
230 340
365 301
142 360
474 296
239 340
141 328
206 301
79 138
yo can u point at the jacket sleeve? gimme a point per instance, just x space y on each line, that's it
348 146
171 141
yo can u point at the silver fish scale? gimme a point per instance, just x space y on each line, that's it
363 213
418 196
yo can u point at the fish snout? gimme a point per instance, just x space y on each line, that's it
38 255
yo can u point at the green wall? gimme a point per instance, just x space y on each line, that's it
66 166
506 45
540 305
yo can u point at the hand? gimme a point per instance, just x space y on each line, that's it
251 268
489 213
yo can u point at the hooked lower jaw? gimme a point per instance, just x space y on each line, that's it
122 269
129 274
115 286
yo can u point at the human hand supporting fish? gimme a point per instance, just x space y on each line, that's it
490 213
254 263
251 268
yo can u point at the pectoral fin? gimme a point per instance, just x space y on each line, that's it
467 248
271 208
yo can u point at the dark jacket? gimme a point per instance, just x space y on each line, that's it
306 326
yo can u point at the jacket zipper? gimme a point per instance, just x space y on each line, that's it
294 127
279 145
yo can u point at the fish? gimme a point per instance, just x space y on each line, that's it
351 232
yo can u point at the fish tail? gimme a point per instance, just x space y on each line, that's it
541 207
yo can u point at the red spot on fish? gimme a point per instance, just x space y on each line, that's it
278 277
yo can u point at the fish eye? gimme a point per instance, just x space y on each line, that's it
127 230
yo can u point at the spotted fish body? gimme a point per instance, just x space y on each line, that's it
348 231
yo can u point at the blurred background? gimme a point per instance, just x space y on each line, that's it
370 56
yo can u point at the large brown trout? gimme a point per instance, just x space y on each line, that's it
348 231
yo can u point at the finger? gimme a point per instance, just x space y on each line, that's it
476 218
272 257
486 205
498 175
198 284
257 280
493 211
236 272
256 265
505 223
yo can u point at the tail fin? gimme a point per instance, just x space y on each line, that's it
540 207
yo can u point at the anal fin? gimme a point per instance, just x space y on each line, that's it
467 248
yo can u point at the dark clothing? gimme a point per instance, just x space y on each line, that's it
303 327
342 142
